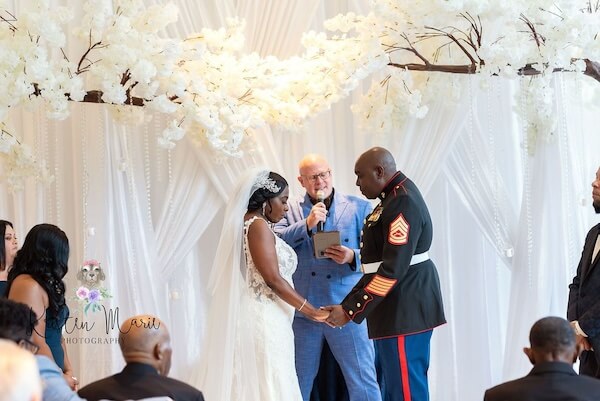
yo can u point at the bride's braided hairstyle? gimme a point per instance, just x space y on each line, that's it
267 187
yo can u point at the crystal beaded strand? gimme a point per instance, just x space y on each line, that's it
58 180
84 178
525 155
147 171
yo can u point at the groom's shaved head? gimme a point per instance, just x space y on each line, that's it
379 157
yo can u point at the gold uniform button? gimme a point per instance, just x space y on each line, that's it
358 304
365 297
350 312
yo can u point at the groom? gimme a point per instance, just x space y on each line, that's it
399 295
326 281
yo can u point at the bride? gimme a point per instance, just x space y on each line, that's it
249 344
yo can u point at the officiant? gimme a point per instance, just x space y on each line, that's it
325 281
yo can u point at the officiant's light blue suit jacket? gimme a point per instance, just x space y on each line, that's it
322 281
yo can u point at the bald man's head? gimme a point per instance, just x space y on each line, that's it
309 160
145 339
373 169
315 175
552 339
380 157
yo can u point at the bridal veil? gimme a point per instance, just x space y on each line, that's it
228 370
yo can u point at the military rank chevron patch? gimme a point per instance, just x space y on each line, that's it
399 231
380 285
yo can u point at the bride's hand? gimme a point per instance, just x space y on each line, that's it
320 315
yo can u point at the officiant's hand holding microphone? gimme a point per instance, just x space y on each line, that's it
318 213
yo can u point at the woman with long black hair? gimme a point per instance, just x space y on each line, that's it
36 279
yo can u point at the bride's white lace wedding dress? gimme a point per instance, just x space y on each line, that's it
270 319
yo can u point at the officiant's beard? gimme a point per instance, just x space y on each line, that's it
596 205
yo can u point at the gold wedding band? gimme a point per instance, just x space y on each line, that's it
74 379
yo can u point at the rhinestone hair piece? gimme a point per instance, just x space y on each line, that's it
263 181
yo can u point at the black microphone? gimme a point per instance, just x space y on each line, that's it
320 198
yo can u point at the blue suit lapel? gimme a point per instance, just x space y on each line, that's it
336 211
305 206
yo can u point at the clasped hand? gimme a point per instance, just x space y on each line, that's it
337 317
332 315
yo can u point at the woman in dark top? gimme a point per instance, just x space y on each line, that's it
8 250
36 280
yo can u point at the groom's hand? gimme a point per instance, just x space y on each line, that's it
337 316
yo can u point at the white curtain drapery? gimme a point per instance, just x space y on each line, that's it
510 216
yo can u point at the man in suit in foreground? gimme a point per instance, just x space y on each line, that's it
583 310
552 353
146 347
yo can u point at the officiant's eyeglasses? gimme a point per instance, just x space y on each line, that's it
313 178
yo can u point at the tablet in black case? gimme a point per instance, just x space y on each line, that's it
323 240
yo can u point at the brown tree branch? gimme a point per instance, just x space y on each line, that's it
592 69
95 96
453 69
456 41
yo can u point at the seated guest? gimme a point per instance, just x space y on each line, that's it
19 377
146 347
8 250
17 321
552 353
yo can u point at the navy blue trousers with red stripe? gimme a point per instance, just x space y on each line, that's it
402 364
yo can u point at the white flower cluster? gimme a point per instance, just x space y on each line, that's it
489 37
19 163
537 109
210 88
218 94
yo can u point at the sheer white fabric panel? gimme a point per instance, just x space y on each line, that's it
422 148
276 30
551 228
473 170
153 217
467 353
